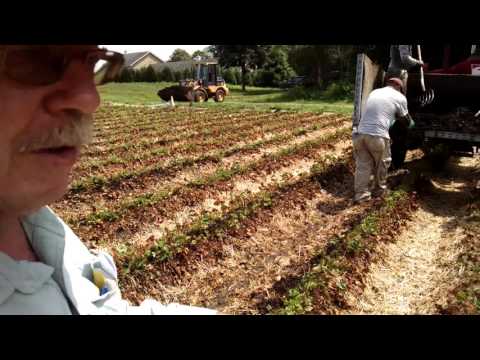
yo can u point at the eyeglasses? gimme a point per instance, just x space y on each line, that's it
41 65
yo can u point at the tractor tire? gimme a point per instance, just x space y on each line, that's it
219 95
201 96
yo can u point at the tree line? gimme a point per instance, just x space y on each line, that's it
265 65
319 64
148 74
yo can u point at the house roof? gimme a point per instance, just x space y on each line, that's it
133 58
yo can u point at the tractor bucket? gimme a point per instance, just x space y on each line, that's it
179 93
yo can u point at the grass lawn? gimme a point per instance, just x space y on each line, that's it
260 99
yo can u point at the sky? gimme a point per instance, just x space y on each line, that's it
162 51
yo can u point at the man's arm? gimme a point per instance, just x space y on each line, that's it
407 58
402 114
113 303
406 121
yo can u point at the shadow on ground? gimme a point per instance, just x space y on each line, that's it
452 194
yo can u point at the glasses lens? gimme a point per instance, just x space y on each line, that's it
36 66
108 67
44 65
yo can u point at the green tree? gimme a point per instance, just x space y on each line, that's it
310 61
245 56
203 54
208 51
179 55
149 74
342 59
229 76
319 62
276 68
126 75
177 75
167 75
159 76
250 77
238 76
139 75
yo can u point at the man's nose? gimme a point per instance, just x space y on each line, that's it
75 91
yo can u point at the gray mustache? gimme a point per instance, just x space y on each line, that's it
75 132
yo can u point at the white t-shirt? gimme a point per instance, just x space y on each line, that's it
381 109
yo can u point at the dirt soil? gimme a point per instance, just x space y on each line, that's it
415 274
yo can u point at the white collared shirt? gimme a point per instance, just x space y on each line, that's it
27 288
62 282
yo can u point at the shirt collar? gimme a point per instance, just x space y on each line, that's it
24 276
46 234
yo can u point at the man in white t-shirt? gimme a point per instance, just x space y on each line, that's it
371 141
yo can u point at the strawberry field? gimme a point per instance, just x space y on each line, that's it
246 212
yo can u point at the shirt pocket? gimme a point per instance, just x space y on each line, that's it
111 290
104 277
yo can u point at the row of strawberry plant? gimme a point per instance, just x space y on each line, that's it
97 183
201 144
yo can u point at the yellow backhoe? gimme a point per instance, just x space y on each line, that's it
207 84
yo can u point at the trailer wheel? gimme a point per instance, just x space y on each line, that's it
219 95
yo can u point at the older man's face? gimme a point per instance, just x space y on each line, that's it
42 128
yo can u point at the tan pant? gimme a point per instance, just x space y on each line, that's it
372 157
